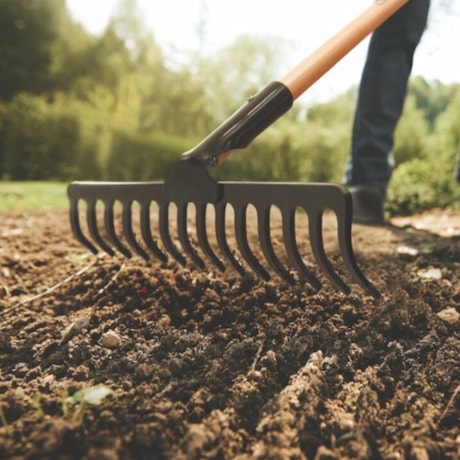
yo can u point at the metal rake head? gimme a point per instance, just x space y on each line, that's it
288 198
190 183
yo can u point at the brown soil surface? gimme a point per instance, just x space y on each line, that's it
210 366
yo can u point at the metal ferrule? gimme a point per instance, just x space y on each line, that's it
238 131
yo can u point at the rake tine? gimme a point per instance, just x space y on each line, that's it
242 241
263 221
147 234
203 238
128 230
76 228
183 236
93 230
163 223
109 220
346 250
316 239
288 221
222 240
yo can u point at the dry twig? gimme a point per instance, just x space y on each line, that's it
48 291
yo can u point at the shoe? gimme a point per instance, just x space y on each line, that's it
368 204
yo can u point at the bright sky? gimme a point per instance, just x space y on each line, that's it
307 24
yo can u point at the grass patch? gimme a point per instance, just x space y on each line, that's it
33 196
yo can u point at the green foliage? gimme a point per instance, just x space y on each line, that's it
337 111
326 149
411 133
33 39
418 185
327 137
444 142
39 142
432 98
177 105
139 157
236 72
424 174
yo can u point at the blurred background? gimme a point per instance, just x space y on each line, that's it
118 89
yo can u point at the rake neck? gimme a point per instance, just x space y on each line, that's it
190 181
238 131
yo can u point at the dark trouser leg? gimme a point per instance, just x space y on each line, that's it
381 95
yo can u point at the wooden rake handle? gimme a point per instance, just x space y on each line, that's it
261 110
312 68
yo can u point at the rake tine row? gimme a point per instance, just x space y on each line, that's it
241 232
285 199
314 199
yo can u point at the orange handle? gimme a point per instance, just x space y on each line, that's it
324 58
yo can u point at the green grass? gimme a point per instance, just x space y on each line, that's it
33 196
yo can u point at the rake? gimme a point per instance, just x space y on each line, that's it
190 182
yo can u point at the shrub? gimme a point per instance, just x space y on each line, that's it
139 157
300 151
418 185
39 142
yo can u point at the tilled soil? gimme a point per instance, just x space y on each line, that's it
209 366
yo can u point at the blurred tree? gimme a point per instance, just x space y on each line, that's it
24 124
32 36
40 142
337 110
431 97
103 61
235 72
178 105
411 132
444 143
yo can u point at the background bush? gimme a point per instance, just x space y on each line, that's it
140 157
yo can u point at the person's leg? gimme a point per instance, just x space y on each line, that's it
381 97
